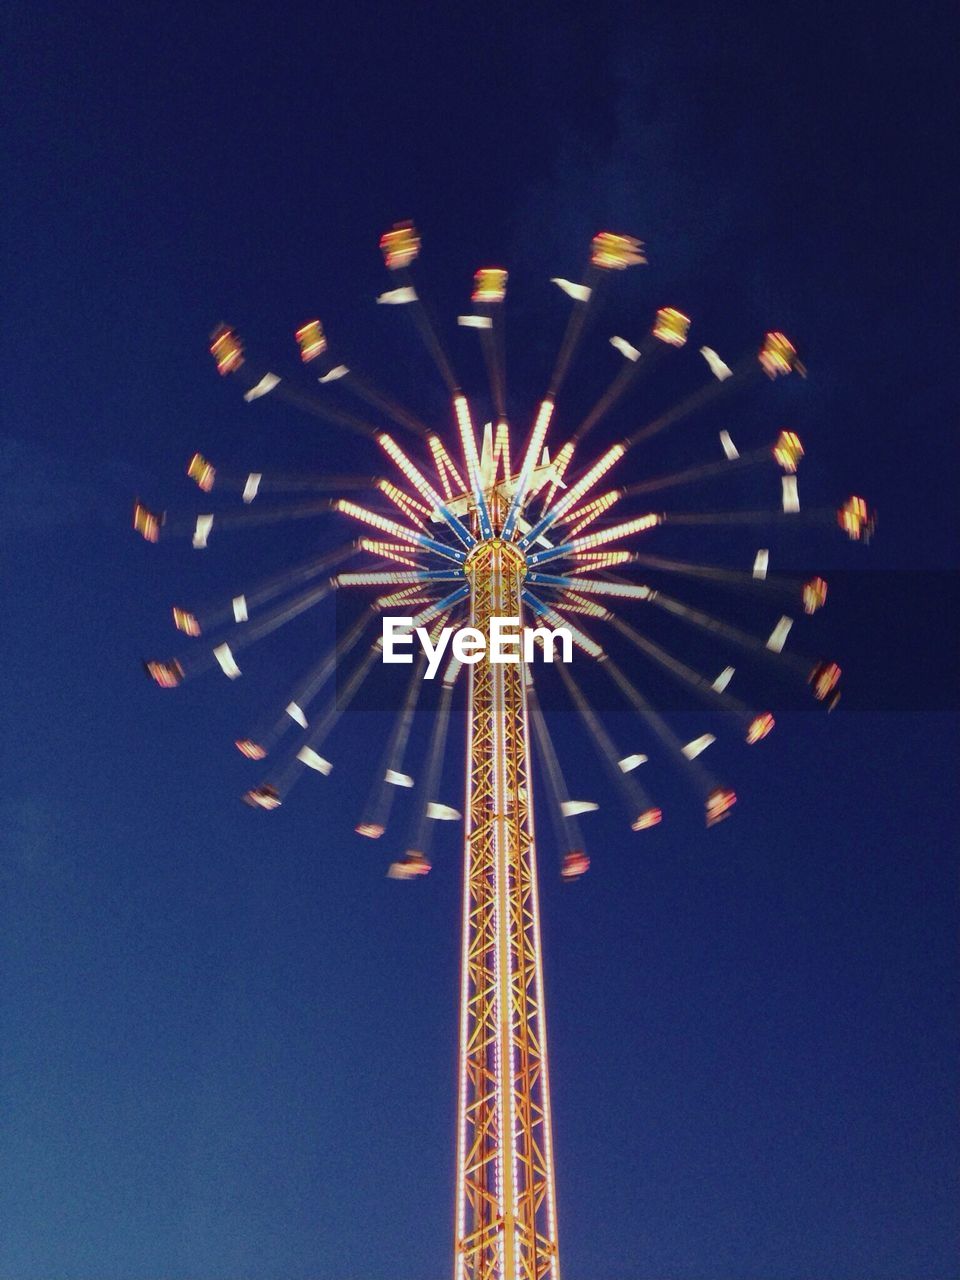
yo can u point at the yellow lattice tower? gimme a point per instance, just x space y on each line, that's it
506 1220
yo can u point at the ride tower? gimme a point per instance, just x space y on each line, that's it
506 1214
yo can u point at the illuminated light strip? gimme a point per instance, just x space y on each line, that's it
377 521
573 496
550 615
469 443
446 470
376 579
228 664
623 530
501 450
424 487
410 595
413 510
592 560
560 464
589 587
202 532
441 606
723 679
534 448
586 515
760 564
790 498
580 604
239 604
391 550
251 488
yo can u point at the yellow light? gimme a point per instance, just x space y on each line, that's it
489 285
586 483
589 608
649 818
824 677
626 590
671 326
637 525
589 561
311 341
416 478
778 355
147 523
203 472
385 579
759 727
446 469
788 451
400 246
719 803
814 595
613 252
167 674
227 349
185 621
468 441
375 520
391 550
413 510
854 518
586 515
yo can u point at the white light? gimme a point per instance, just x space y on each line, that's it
295 712
309 757
228 665
397 297
631 762
375 520
616 531
240 608
791 498
202 532
263 387
251 488
698 746
398 779
760 564
475 322
717 367
570 808
625 348
778 636
599 468
442 812
338 371
723 679
730 450
579 292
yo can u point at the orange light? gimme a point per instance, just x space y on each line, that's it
719 803
147 523
265 797
814 595
616 253
759 727
671 326
167 674
311 341
489 285
185 621
854 519
227 349
574 865
778 355
202 471
374 830
400 246
788 451
252 750
649 818
824 677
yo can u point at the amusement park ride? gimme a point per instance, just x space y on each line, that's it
476 530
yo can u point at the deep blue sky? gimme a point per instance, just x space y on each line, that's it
226 1041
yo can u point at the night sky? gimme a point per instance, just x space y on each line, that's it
227 1042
